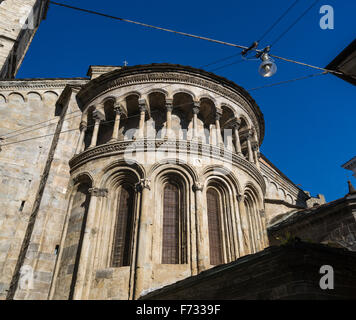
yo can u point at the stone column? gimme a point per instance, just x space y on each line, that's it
82 285
244 225
236 127
169 108
249 146
196 110
219 141
80 145
144 237
118 113
97 117
256 152
211 134
143 108
203 254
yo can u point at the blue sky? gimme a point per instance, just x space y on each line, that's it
310 124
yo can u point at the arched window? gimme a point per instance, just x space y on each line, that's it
255 223
123 228
174 230
214 224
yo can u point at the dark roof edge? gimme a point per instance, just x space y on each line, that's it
335 64
294 245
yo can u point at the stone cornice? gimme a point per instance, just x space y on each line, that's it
147 145
169 73
39 84
291 188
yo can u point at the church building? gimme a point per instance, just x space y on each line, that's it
135 177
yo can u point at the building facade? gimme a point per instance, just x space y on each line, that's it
19 21
130 180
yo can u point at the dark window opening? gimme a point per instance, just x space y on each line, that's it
170 250
123 229
22 206
215 239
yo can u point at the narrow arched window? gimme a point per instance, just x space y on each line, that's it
215 238
123 228
174 231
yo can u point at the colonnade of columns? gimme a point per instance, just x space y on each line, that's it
120 110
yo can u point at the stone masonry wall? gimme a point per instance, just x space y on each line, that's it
22 104
19 20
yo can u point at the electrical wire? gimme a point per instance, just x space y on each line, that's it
214 62
227 65
220 60
148 25
277 21
88 126
188 34
287 81
20 131
261 38
108 121
294 23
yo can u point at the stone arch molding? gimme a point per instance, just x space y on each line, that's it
112 170
172 164
251 189
226 175
2 99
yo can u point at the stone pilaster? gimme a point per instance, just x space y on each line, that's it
82 285
203 255
144 237
244 225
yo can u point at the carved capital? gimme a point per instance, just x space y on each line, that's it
83 126
196 107
248 134
97 115
198 186
169 105
118 109
218 114
236 123
240 198
255 146
144 183
98 192
142 104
